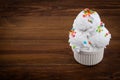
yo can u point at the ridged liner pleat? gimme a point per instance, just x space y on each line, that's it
89 58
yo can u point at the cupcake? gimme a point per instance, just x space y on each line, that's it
88 38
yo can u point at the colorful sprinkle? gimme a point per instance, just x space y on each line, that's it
84 15
101 24
72 32
106 34
89 20
84 42
89 42
74 47
99 29
88 12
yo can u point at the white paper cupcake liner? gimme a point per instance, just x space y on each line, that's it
89 58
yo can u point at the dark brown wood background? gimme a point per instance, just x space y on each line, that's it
34 40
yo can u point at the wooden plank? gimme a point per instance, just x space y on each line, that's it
34 40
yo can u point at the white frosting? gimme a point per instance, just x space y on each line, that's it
88 35
100 39
81 23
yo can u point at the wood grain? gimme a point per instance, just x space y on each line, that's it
34 40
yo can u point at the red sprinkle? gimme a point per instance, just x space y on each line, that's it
89 42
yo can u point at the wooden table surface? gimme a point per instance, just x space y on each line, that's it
34 40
